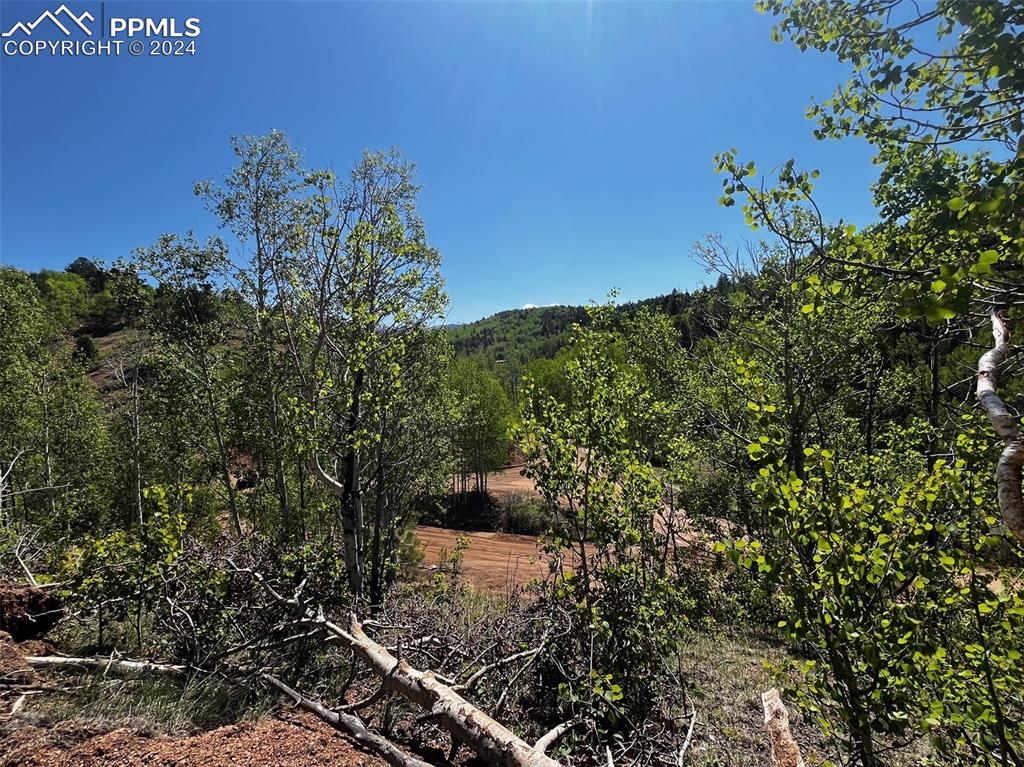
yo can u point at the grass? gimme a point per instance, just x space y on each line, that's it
150 705
727 675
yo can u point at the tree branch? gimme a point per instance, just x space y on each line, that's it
351 726
468 724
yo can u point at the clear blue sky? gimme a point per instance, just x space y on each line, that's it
563 149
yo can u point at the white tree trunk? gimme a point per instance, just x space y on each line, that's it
353 563
1008 468
116 665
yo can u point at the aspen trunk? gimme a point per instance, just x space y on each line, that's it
1008 468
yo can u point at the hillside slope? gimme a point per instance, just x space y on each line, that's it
520 335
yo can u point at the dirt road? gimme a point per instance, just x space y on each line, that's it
499 561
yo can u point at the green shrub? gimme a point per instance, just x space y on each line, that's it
525 514
85 347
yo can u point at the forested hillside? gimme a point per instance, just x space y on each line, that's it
518 336
780 519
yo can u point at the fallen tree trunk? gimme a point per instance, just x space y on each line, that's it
120 666
785 752
1011 461
467 724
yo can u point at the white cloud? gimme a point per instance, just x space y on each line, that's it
529 306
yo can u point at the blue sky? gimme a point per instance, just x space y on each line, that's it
563 149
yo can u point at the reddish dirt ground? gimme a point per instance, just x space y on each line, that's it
288 740
510 480
500 561
494 561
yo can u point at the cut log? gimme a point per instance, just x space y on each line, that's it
785 752
1011 460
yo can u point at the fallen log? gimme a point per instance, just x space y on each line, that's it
467 724
785 752
121 666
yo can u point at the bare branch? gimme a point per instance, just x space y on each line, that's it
351 726
548 739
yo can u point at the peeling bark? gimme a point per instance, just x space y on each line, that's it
1008 468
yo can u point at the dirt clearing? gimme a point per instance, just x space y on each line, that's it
493 561
510 480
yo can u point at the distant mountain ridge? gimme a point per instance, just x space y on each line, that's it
520 335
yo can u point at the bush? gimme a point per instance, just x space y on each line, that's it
525 514
85 347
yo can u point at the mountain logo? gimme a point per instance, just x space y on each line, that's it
62 13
